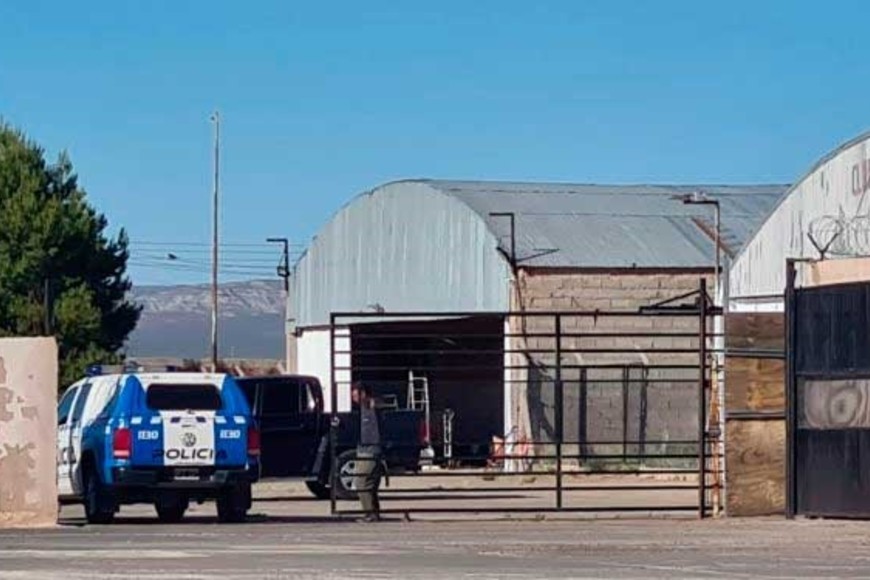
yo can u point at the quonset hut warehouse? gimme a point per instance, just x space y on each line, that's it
795 431
829 205
435 246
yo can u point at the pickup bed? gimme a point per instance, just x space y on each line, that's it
295 433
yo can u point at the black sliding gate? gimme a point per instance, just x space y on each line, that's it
828 399
534 411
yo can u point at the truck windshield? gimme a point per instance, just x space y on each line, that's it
169 397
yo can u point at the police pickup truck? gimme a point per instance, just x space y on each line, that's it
163 438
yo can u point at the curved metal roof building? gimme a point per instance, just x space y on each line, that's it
433 245
827 207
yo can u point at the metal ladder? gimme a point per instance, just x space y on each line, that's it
418 400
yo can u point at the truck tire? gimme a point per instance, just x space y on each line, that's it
171 508
344 484
318 490
233 504
99 503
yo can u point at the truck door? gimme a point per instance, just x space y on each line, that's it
76 425
64 447
289 423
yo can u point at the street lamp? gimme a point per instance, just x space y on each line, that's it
717 395
513 224
700 198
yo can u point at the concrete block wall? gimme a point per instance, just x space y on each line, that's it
28 427
556 289
672 407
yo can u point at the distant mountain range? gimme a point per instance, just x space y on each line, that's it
176 320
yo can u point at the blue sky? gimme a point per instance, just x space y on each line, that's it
323 100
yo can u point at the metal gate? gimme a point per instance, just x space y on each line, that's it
828 399
569 411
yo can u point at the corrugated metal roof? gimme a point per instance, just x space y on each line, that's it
429 245
589 226
402 246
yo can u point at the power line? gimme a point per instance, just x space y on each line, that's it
275 260
239 260
203 251
183 262
207 245
201 269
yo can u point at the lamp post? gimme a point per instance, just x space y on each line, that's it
717 395
699 198
513 225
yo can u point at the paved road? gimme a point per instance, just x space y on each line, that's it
319 547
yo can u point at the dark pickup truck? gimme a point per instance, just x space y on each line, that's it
294 433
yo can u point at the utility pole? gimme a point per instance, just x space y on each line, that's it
216 119
284 269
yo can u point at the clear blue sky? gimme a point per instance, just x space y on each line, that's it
321 100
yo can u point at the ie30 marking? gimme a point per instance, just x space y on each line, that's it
230 434
148 435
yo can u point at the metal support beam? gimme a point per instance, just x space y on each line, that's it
790 391
702 402
560 407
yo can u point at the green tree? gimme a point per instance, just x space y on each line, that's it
60 273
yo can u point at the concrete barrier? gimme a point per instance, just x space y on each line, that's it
28 426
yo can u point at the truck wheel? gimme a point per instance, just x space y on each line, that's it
170 509
233 503
344 488
318 490
99 503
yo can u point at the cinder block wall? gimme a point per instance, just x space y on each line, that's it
672 407
561 289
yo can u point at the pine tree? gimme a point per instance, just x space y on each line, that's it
60 273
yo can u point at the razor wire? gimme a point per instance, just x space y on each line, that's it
841 235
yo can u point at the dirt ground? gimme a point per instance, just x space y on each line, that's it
420 498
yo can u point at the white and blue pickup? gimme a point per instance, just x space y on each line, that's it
163 438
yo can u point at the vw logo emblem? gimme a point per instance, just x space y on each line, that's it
188 440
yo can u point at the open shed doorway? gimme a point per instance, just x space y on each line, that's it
461 359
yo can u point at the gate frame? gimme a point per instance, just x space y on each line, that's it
790 389
704 309
792 290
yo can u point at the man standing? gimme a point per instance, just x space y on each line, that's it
369 454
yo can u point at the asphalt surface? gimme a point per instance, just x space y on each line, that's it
291 535
318 546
